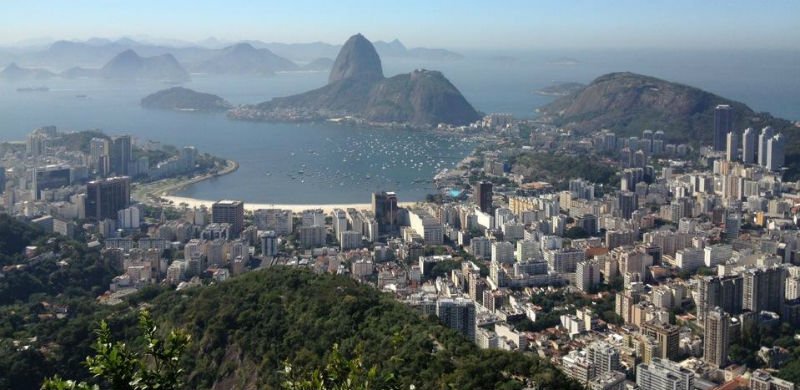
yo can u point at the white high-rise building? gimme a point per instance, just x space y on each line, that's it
749 146
663 374
269 243
766 134
527 250
731 146
776 152
502 252
587 274
129 218
480 247
429 228
716 337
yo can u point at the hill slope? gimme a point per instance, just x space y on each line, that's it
357 87
245 328
629 103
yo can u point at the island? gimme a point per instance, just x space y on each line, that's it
184 99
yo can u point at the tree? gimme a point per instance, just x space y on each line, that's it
121 368
576 232
338 374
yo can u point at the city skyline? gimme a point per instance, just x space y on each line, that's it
619 24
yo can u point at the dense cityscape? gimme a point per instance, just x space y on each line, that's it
678 272
416 195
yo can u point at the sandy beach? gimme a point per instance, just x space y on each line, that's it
161 192
297 208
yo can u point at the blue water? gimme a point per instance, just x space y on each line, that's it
272 155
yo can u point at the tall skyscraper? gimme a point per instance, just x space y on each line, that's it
732 146
121 153
99 153
766 134
662 374
627 203
725 292
229 211
384 206
49 177
723 124
458 314
667 337
764 289
604 358
776 152
749 146
105 198
716 337
269 243
483 196
2 179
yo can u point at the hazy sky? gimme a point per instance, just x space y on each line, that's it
432 23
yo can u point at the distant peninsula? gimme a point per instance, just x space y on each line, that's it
560 89
628 103
184 99
357 88
16 72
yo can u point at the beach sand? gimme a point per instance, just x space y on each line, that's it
297 208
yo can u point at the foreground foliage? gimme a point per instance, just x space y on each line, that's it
118 367
249 328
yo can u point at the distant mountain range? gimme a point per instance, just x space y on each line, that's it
207 54
244 59
357 87
129 65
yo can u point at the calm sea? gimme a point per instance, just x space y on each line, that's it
288 163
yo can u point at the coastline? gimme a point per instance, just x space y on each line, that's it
161 192
296 208
156 191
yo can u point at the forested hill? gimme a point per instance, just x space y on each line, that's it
245 329
629 103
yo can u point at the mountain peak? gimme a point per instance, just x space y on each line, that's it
357 59
128 54
241 47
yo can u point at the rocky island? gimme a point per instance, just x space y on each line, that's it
184 99
357 88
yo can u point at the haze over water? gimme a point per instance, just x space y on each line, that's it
272 155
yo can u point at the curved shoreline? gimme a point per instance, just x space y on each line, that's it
157 191
296 208
161 192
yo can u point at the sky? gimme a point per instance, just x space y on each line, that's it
464 24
